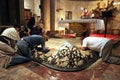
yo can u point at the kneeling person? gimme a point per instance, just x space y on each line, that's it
102 45
8 54
28 43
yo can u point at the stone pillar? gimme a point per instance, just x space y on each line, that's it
46 14
21 4
52 15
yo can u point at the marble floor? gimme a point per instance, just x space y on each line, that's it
100 71
103 71
35 71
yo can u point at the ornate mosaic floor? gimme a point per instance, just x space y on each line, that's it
65 55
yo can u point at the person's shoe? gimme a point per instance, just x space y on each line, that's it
46 50
116 44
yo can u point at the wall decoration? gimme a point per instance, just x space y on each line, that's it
68 14
110 7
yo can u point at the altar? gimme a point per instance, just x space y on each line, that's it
76 24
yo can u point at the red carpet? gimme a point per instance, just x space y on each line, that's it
110 36
70 35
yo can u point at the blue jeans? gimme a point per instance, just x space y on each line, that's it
24 49
18 60
25 54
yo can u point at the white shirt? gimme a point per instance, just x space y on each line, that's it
95 43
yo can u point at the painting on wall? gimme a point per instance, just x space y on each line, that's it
68 14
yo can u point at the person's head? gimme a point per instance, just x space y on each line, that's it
83 35
17 27
85 10
11 33
22 28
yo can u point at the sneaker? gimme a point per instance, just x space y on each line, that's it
46 50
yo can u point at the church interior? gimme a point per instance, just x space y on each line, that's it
63 22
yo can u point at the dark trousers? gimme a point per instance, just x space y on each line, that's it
107 54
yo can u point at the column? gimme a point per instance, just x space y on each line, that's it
52 15
46 13
21 6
